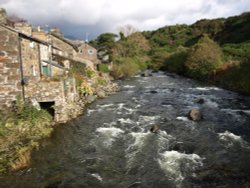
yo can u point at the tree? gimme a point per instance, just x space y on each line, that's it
106 40
127 30
203 58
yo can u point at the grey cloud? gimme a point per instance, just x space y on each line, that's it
97 16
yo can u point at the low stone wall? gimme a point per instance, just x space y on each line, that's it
62 93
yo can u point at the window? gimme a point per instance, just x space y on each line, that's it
46 70
90 51
80 51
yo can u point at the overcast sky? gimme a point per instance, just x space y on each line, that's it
78 17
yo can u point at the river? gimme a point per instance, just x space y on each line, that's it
110 145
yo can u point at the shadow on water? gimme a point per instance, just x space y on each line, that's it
110 145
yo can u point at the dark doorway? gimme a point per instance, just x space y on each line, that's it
48 106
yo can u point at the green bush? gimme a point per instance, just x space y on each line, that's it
203 58
176 61
158 57
239 51
236 77
20 133
103 68
90 73
126 67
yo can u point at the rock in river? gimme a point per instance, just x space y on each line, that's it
195 115
155 129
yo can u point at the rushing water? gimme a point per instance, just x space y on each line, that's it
111 145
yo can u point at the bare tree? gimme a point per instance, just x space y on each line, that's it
127 30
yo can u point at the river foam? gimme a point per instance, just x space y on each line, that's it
231 139
139 140
175 164
108 134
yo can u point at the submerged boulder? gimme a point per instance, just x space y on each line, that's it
195 115
153 92
146 74
155 128
201 101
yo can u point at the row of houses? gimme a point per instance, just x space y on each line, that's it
34 66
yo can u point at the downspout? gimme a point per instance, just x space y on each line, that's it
39 61
21 66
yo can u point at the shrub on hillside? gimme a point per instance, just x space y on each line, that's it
203 58
239 51
236 77
176 61
158 57
126 67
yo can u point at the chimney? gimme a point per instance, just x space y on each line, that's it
3 16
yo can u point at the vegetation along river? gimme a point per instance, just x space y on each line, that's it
111 144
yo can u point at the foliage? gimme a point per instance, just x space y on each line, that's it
240 51
158 57
77 68
126 67
101 82
235 30
103 68
210 27
203 57
90 73
106 40
20 133
78 71
130 56
236 77
85 89
190 50
176 61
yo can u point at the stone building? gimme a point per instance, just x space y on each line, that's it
23 27
88 52
27 71
34 66
63 50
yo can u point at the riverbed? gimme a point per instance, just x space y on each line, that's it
111 146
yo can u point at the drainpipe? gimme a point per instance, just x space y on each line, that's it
39 60
21 66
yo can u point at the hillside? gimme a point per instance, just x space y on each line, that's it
215 51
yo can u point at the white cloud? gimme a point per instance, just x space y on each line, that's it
110 14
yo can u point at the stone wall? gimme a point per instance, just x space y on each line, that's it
10 79
23 27
61 44
62 93
30 59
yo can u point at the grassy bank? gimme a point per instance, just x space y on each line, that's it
20 133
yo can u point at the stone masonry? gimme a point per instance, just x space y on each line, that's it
10 74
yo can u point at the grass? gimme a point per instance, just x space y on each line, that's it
20 133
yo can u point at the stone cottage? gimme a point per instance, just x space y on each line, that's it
28 71
86 52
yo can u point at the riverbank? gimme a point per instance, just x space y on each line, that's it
111 145
23 129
